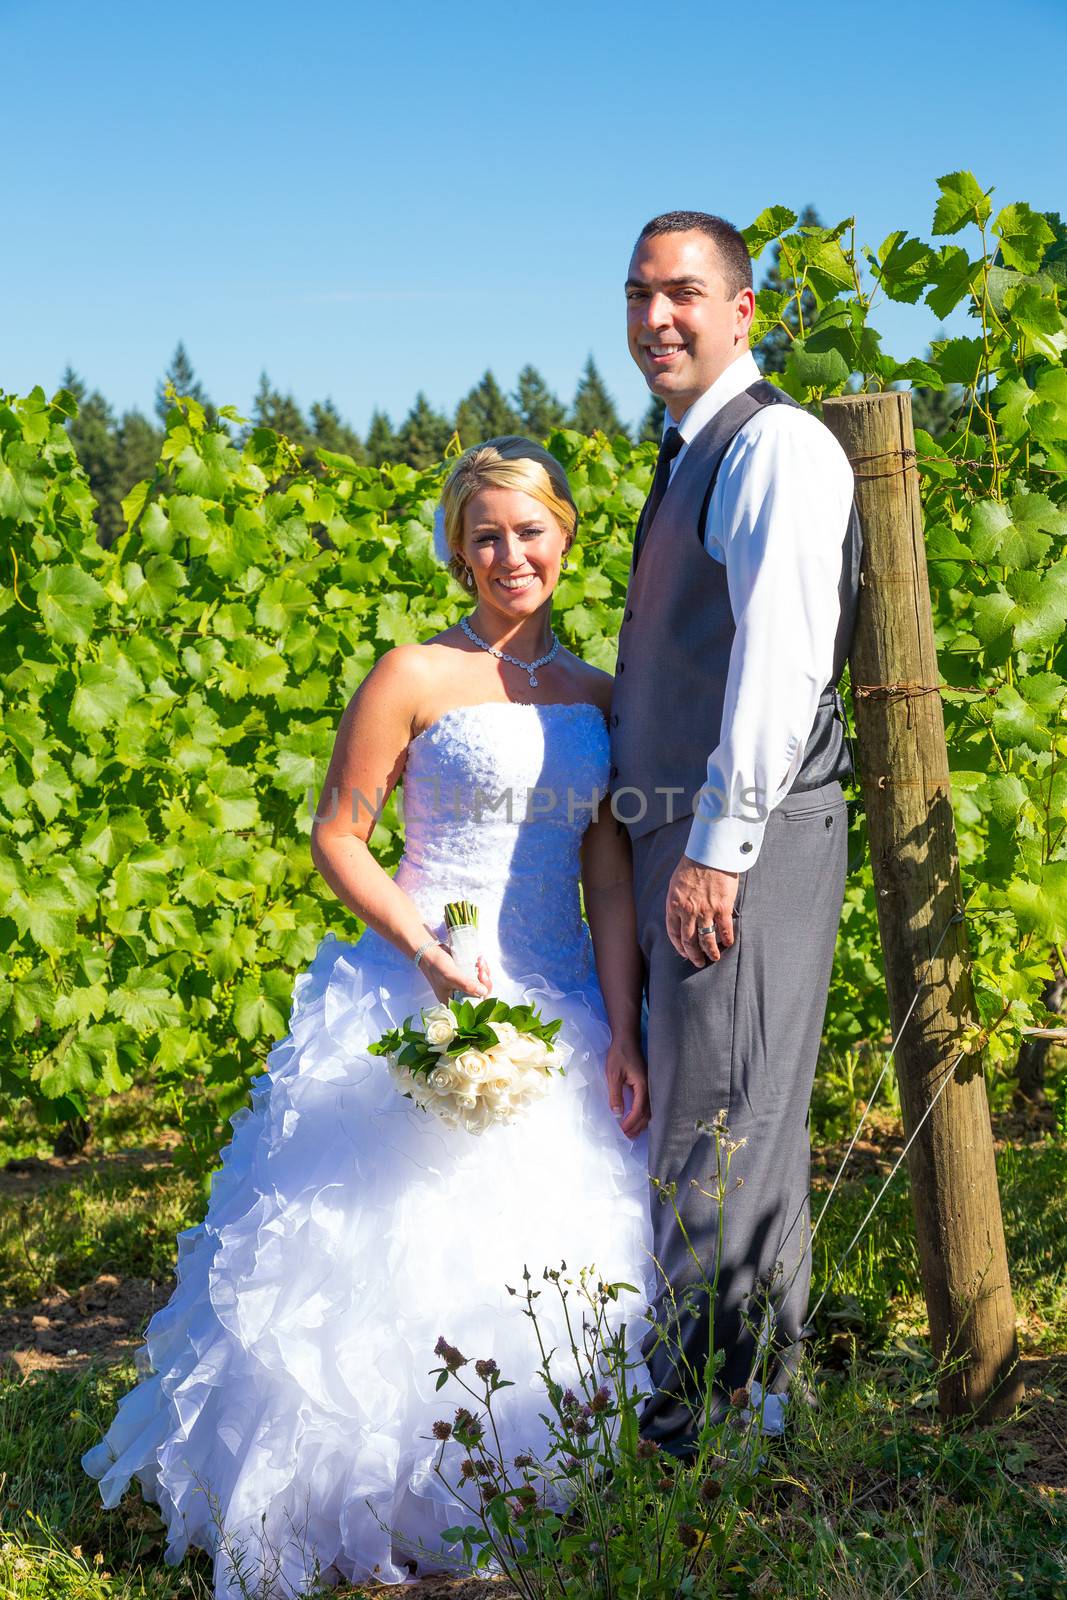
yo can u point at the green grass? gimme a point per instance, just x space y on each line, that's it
866 1499
121 1219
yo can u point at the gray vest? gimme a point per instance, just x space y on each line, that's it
674 648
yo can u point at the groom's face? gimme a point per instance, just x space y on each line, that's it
682 327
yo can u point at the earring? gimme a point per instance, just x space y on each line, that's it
469 579
564 563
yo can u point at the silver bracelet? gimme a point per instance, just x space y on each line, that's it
421 951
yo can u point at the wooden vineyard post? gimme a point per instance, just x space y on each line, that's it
903 770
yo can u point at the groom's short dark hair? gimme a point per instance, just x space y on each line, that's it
730 244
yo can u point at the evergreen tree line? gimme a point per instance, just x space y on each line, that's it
119 451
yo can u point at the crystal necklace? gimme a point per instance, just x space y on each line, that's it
502 655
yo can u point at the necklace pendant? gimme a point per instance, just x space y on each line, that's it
533 681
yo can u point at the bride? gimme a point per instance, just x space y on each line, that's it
285 1403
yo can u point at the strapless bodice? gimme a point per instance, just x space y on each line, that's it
496 797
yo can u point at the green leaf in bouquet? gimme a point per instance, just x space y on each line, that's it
387 1045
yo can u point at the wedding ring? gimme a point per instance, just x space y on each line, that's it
710 928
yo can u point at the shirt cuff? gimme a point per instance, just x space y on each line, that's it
729 844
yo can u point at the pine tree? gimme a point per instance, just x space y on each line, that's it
329 432
382 442
187 385
652 421
73 383
272 409
485 413
139 447
423 436
539 411
772 352
94 435
593 406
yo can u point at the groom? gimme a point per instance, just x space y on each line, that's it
727 755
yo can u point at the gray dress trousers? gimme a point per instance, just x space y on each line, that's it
739 1035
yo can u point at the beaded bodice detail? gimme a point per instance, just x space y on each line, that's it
496 797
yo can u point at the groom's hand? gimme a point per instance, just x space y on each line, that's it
700 897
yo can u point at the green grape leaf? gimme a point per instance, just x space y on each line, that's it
768 225
903 266
1024 236
69 598
1041 907
105 689
260 1004
145 1000
826 370
209 470
1015 722
959 360
1006 795
1040 319
951 279
1042 601
962 201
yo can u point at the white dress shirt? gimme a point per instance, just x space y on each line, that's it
777 522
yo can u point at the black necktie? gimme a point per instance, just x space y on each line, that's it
671 444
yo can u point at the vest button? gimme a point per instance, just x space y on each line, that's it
614 772
745 848
829 822
621 666
629 614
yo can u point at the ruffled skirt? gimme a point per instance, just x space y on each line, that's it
285 1405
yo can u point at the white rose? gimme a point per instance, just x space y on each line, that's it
441 1078
474 1065
528 1051
505 1031
439 1026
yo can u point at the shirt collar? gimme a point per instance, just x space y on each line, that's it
741 372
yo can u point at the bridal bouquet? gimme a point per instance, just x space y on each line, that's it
472 1064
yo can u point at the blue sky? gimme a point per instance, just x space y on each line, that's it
372 200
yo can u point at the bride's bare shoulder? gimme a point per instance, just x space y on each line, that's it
591 683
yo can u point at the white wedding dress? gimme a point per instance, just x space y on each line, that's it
285 1393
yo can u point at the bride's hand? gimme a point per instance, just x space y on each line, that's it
624 1068
445 977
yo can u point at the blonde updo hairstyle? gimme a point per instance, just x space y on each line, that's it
510 462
